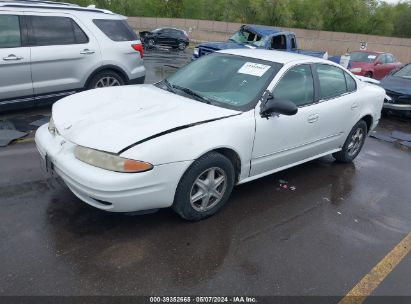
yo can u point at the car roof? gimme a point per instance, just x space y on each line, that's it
168 28
273 56
38 5
262 30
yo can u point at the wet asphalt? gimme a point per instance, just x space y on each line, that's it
319 239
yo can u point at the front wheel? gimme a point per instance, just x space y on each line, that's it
205 187
353 144
182 46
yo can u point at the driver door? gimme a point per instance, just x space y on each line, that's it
283 140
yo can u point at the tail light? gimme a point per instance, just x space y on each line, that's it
138 48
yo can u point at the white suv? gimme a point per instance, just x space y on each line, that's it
49 50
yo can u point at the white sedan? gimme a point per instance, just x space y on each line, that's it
223 120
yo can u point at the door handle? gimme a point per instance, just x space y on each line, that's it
87 52
313 118
12 57
354 106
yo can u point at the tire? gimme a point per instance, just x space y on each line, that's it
151 43
182 46
368 74
353 144
196 182
106 79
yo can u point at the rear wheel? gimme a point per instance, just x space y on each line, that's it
106 79
353 144
368 74
205 187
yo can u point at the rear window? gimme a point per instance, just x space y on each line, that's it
116 30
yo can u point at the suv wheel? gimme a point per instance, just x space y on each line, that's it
205 187
182 46
106 79
353 144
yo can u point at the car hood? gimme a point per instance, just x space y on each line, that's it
216 46
397 84
111 119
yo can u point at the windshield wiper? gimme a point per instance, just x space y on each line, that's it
192 93
168 85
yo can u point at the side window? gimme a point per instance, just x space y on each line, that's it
382 59
278 43
79 35
332 81
117 30
351 84
47 30
390 58
9 31
296 85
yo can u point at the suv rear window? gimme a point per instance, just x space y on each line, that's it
116 30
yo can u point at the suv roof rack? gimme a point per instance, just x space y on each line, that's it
51 5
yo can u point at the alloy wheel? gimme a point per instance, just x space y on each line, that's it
107 81
356 141
208 189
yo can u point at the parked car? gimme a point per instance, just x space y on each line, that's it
223 120
171 37
373 64
398 88
49 50
262 37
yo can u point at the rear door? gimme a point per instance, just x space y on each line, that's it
63 54
15 76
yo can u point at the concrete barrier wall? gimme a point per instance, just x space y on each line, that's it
334 43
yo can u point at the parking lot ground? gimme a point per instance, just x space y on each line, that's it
320 239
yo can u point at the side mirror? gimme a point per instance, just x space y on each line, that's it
378 63
271 105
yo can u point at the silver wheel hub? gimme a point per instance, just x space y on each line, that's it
208 189
356 141
107 82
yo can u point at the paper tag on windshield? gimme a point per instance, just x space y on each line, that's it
255 69
372 56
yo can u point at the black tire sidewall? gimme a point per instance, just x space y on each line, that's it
182 197
98 76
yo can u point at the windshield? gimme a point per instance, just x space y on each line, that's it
248 37
228 81
405 72
362 57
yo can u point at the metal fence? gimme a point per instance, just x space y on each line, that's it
335 43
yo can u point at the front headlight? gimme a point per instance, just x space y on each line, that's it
355 70
196 51
109 161
52 127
